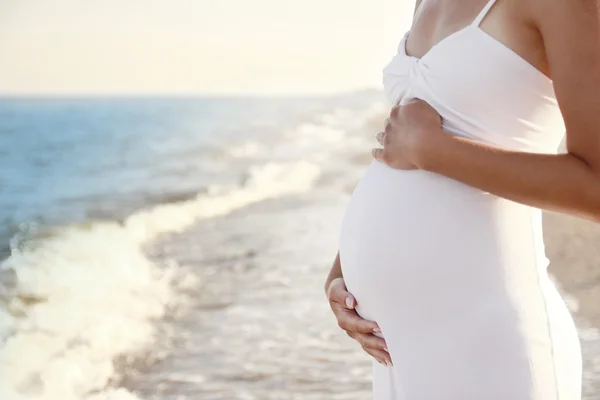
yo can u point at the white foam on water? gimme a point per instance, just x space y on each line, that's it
266 181
81 296
246 149
74 300
340 129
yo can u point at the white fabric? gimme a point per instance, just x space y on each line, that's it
456 277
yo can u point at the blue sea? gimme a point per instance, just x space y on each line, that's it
96 192
73 160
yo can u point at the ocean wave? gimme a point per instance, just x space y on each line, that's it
74 298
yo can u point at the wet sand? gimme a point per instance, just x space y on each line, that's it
573 247
258 324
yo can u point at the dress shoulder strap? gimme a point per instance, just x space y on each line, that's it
483 12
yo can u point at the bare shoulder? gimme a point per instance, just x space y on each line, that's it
565 10
571 36
568 23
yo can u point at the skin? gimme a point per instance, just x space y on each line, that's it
342 304
559 37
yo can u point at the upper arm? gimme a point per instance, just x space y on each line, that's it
571 34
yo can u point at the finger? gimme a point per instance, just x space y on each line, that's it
380 137
338 293
355 323
370 341
377 154
377 348
394 112
387 139
352 323
388 128
379 355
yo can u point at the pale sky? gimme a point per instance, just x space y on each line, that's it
197 46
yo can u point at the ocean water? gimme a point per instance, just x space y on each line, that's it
79 160
176 248
89 187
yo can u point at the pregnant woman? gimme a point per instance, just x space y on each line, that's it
441 272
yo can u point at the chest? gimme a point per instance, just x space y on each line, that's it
507 21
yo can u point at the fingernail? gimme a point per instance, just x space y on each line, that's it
376 330
386 350
348 302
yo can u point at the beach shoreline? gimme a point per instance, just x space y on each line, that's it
283 313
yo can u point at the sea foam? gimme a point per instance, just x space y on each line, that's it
75 298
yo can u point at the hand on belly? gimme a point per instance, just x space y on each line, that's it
363 331
409 132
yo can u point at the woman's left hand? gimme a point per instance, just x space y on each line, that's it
409 131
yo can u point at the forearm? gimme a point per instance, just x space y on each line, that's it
560 182
335 272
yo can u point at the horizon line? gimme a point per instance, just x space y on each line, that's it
129 95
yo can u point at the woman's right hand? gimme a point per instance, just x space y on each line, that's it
363 331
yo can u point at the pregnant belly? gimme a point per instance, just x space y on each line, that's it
427 248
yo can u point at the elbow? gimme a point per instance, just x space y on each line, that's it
590 202
595 214
585 198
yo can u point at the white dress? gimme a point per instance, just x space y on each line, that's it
456 277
